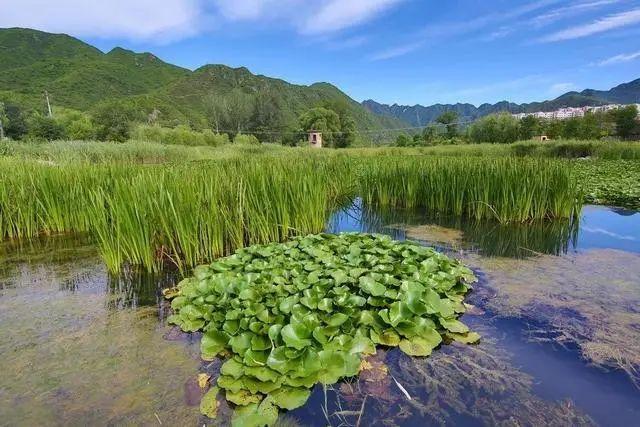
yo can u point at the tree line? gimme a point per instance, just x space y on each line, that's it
234 116
503 128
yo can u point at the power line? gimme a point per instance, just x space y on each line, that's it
365 131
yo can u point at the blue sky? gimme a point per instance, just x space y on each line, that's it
393 51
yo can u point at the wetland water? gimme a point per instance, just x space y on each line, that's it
557 305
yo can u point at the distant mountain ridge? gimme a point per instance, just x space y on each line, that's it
419 115
80 76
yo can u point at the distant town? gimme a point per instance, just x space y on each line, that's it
571 112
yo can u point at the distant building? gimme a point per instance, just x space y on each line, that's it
571 112
315 139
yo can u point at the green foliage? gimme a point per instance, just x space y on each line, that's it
78 126
337 127
610 182
242 139
180 135
144 214
113 120
529 127
506 190
230 100
496 128
404 140
626 120
323 120
306 311
17 124
449 119
45 128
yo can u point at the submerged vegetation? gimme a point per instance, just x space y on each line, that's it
152 214
294 314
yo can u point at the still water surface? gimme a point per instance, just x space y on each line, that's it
558 307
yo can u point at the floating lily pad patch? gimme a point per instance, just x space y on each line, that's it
287 316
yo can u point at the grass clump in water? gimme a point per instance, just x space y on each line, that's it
295 314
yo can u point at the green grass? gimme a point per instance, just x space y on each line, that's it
188 212
147 215
502 189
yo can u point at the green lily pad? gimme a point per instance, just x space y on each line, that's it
294 314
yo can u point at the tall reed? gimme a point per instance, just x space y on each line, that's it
504 189
192 212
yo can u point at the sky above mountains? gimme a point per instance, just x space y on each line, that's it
394 51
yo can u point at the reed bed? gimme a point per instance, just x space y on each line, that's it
192 212
504 189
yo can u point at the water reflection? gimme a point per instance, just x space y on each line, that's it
486 238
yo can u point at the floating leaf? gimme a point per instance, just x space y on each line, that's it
242 397
290 398
209 403
454 325
294 314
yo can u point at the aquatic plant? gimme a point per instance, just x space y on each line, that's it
613 182
506 190
290 315
191 213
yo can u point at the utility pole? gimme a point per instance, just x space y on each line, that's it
46 95
1 127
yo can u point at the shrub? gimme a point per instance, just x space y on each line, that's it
403 140
45 128
214 139
180 135
523 149
243 139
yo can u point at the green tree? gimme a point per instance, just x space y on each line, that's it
45 128
16 126
553 128
323 120
267 120
347 135
113 120
240 111
403 140
571 128
449 120
217 111
626 120
78 126
500 128
589 127
529 127
430 134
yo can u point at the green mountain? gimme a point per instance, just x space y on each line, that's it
419 115
78 76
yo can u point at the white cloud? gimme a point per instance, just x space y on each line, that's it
259 10
166 20
608 23
396 51
619 59
131 19
458 28
335 15
568 11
